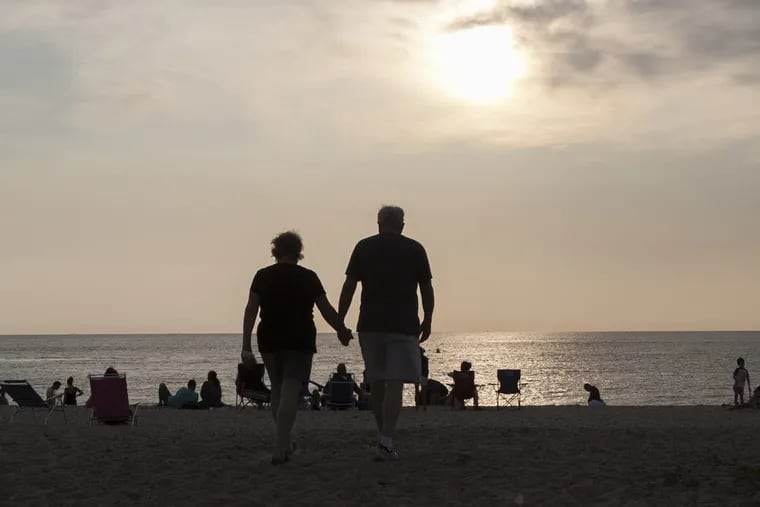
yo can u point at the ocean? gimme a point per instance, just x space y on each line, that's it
630 368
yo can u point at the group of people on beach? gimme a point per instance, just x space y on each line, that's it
187 398
390 268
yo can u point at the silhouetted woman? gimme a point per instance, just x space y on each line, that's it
286 294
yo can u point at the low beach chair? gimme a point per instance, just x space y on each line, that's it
250 389
27 398
340 394
508 388
110 400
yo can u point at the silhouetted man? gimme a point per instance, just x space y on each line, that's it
390 267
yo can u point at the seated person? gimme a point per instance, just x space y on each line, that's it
110 372
70 392
211 392
186 397
51 393
363 401
249 383
432 393
464 386
594 397
341 375
315 400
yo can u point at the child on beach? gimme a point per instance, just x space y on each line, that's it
741 375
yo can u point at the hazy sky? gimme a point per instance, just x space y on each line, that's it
569 165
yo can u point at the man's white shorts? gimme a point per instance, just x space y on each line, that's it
391 356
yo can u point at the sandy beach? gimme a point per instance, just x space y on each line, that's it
537 456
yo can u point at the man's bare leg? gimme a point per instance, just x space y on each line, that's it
286 417
378 398
274 400
391 406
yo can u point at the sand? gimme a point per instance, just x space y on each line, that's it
537 456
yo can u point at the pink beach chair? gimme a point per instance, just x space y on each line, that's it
110 401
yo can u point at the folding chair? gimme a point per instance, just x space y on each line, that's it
340 393
250 389
27 398
509 387
110 400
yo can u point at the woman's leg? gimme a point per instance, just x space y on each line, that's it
286 417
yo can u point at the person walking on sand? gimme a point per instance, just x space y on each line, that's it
390 267
741 375
286 294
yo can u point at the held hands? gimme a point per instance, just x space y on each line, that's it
345 336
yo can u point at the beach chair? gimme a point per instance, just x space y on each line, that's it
340 393
250 389
27 399
110 401
463 388
508 388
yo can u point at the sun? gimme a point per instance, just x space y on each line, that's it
479 64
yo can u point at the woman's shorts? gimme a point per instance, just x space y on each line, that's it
288 364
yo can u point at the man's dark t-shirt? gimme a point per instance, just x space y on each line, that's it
389 266
287 293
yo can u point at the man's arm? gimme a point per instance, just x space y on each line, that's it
332 318
249 319
428 303
346 296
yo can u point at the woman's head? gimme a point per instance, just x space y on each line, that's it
70 381
287 246
466 365
111 371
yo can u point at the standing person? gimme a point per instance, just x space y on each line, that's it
286 336
741 375
70 392
389 266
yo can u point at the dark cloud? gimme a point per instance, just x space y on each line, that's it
655 37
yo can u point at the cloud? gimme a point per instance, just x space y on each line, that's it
645 39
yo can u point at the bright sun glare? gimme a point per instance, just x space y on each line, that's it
478 64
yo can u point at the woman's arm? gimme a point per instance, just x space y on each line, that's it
249 319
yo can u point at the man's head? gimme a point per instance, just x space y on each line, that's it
287 246
740 361
390 219
70 381
56 384
111 371
342 368
466 365
587 387
191 384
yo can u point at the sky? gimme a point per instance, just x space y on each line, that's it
568 164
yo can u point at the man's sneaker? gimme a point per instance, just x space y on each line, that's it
385 454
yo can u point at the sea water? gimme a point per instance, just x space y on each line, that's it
630 368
